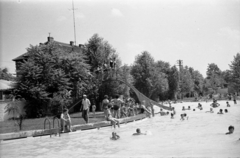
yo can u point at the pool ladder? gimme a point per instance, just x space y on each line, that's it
49 125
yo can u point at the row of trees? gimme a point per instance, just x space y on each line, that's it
52 78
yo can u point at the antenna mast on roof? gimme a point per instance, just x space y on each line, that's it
75 41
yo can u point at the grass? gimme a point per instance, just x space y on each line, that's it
38 123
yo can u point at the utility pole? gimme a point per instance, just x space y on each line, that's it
180 64
75 40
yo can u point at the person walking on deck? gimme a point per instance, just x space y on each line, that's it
85 108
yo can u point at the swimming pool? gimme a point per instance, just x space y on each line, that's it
203 134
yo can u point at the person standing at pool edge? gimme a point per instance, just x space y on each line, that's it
85 107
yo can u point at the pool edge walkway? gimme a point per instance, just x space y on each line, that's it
56 131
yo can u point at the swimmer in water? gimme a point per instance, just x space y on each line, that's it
211 110
189 108
226 111
183 108
228 105
183 116
138 132
220 111
172 116
115 136
230 130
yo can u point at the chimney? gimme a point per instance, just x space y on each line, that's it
81 45
71 43
50 39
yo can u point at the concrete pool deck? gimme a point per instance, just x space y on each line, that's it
56 131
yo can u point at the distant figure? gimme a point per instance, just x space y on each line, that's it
189 108
211 110
183 116
116 106
94 110
172 116
174 112
199 106
234 98
85 107
215 104
138 132
226 111
220 111
65 121
228 105
115 136
162 113
183 108
167 113
193 109
230 130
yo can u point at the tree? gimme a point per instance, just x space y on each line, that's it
5 75
235 70
186 85
49 73
214 77
173 80
143 73
105 64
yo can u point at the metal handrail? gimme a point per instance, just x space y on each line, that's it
59 124
46 119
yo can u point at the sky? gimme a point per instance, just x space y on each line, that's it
199 32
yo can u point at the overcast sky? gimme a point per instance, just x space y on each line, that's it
198 32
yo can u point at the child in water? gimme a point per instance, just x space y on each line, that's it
115 136
230 130
220 111
228 105
172 116
183 116
211 110
183 108
226 111
138 132
189 108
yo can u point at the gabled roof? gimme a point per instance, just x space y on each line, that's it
62 45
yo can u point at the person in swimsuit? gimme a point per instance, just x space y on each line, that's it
115 136
230 130
220 111
65 121
113 120
211 110
116 106
228 105
215 104
138 132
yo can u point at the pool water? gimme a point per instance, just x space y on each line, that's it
203 134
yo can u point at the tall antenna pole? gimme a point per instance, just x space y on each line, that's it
75 41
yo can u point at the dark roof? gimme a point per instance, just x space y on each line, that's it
62 45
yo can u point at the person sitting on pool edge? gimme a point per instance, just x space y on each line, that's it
211 110
220 111
115 136
65 121
138 132
112 119
230 130
215 104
